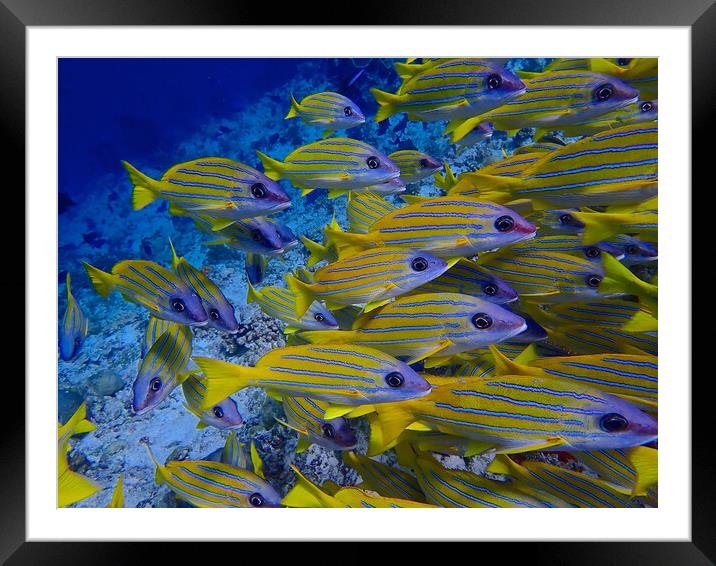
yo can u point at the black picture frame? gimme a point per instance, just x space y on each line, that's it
16 15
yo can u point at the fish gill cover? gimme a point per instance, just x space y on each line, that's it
357 282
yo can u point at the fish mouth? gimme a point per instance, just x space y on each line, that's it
422 393
516 331
280 206
275 252
199 323
142 410
515 93
526 235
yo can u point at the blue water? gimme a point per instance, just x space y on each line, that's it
137 108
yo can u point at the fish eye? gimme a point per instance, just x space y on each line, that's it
155 384
258 190
419 264
328 430
646 106
319 317
631 249
489 289
218 412
566 219
504 224
494 81
178 305
348 111
604 92
623 62
424 163
256 235
373 162
214 314
77 341
256 500
482 321
394 379
593 280
613 422
592 252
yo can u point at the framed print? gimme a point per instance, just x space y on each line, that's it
407 270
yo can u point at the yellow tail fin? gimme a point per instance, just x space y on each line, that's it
346 242
303 292
387 102
118 494
295 107
646 464
306 494
317 251
103 282
253 295
618 279
76 424
71 486
144 187
446 182
273 169
641 322
222 379
599 226
392 419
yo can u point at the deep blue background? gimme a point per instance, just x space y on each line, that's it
132 108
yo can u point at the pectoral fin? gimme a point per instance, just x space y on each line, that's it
549 443
221 223
376 304
438 348
335 411
474 448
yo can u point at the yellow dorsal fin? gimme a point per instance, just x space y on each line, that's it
527 355
506 366
175 257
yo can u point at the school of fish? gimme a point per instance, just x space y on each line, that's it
510 316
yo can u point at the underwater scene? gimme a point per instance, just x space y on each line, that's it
357 283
